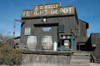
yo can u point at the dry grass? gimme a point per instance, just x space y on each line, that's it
10 56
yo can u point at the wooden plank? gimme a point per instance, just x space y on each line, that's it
67 10
82 39
45 60
46 6
19 20
48 52
81 54
82 28
95 39
81 59
98 58
52 32
94 64
99 48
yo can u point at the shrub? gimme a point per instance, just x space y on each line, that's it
5 34
10 56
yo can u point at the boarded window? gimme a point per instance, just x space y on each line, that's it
61 29
27 31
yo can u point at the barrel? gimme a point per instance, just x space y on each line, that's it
66 44
47 43
31 42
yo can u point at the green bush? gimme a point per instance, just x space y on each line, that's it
10 56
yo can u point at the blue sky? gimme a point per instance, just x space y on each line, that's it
87 10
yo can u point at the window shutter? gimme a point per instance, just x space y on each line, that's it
27 31
61 29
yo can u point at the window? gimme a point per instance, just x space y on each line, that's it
27 31
61 29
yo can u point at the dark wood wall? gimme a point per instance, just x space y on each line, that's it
79 28
69 23
53 32
81 33
82 28
82 39
95 39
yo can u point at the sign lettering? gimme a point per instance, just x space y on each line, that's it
46 6
46 29
48 10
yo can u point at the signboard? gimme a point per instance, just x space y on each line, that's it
47 6
27 31
46 29
93 45
48 10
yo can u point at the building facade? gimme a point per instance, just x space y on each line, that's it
55 21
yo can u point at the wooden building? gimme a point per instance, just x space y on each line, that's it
61 23
93 45
55 21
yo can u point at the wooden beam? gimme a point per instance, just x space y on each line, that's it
48 52
19 20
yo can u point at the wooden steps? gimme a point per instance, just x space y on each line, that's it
94 64
80 59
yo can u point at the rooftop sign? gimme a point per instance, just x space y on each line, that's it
47 6
48 10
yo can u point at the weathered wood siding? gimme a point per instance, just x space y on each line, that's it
81 33
66 10
17 40
82 28
61 20
53 32
82 39
46 60
36 26
95 39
